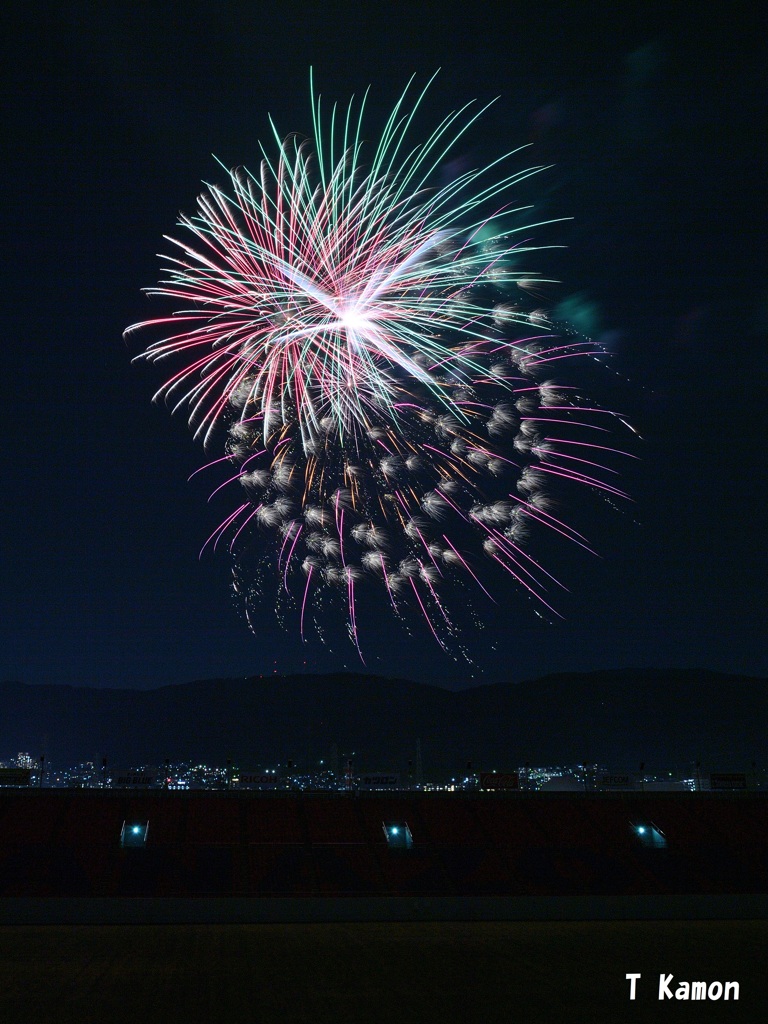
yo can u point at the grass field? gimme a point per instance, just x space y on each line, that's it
358 973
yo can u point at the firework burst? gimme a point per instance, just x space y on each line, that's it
364 347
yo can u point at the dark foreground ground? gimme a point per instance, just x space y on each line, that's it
358 973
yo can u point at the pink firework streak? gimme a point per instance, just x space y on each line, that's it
359 343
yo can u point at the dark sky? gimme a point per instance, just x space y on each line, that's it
654 119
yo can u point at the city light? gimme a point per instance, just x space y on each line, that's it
319 775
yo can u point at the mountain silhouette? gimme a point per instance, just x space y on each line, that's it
615 718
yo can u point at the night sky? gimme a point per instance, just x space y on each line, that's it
654 121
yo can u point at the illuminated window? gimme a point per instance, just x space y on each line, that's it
133 834
398 835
